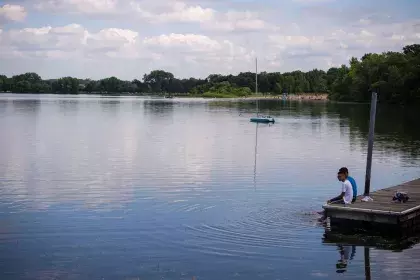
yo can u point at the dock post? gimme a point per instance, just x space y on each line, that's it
370 143
367 263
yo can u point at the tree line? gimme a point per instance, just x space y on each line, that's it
394 75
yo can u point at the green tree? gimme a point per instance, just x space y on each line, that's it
157 79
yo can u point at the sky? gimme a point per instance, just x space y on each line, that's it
194 38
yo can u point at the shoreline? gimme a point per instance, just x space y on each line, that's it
294 97
299 96
291 97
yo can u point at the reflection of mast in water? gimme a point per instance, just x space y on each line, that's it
255 156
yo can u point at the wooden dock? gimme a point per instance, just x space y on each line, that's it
381 215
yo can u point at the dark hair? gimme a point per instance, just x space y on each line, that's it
343 170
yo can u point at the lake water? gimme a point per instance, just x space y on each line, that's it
137 188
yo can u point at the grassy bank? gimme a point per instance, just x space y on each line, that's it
213 95
299 96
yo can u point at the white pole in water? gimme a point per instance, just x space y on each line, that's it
370 144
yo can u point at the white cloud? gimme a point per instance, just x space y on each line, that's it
172 11
12 13
75 41
111 38
69 41
332 47
159 11
66 38
198 50
189 42
313 1
79 6
237 21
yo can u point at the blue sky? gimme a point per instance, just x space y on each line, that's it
127 38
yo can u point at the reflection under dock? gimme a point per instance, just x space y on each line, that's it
349 245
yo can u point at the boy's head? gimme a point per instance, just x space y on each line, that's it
344 170
341 175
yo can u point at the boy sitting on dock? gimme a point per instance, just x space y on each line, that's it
352 182
346 196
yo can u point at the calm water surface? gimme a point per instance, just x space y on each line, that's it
131 188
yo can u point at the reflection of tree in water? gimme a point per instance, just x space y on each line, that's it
26 106
395 130
70 105
110 105
267 107
137 105
158 106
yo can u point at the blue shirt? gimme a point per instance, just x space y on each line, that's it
353 184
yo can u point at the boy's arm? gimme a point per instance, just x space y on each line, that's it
336 198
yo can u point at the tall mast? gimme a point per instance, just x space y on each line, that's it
256 76
256 82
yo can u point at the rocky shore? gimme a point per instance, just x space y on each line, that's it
301 96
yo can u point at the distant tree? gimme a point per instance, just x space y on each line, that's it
158 79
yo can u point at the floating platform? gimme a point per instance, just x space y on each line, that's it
267 119
382 215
